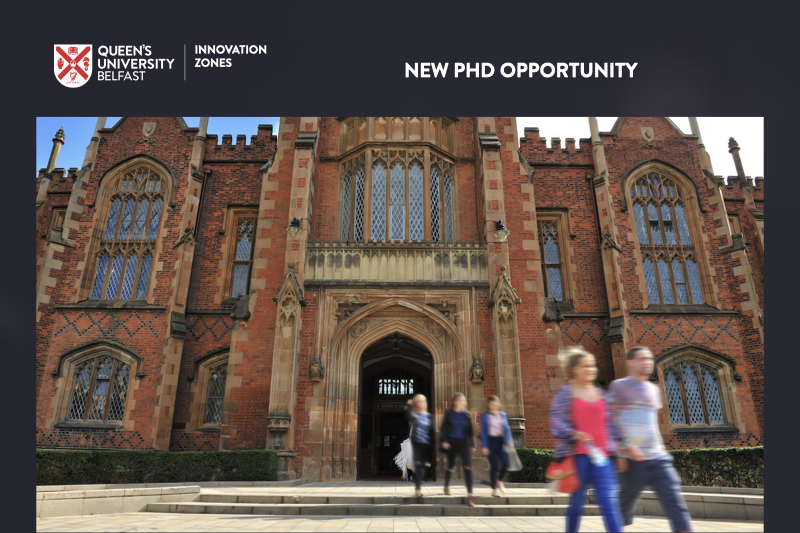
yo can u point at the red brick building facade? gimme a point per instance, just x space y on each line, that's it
290 292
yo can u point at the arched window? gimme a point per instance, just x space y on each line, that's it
243 255
216 394
128 240
100 390
699 389
693 394
670 260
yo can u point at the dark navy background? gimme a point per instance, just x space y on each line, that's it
344 58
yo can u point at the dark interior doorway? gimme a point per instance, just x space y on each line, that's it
392 371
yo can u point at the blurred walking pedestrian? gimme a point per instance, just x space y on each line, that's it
635 403
423 437
496 440
458 440
582 424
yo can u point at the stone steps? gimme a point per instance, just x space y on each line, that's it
397 508
380 500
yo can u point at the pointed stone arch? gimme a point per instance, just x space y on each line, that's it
334 426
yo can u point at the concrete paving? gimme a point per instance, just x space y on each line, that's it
142 522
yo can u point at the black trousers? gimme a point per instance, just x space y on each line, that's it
459 448
421 457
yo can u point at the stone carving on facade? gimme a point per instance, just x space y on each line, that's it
433 327
186 238
504 292
648 134
147 130
278 425
359 328
316 371
476 373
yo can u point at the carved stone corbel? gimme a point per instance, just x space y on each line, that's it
476 372
316 371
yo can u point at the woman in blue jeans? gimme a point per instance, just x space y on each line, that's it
496 439
583 426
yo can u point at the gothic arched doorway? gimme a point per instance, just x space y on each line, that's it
393 369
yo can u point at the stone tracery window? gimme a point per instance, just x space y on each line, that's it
397 195
128 241
693 394
100 390
670 259
549 239
216 394
242 261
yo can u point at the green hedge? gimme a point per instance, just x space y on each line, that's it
77 467
710 467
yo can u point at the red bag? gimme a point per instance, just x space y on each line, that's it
565 474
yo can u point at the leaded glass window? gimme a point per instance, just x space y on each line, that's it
397 203
693 394
551 258
358 208
416 220
216 394
449 223
436 227
347 186
396 381
669 256
243 255
99 391
123 264
379 201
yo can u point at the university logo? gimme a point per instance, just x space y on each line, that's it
72 64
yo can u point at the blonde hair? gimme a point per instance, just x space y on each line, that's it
570 358
419 397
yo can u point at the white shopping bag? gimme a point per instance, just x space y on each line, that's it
405 459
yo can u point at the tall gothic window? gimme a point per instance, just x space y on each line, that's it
128 241
693 394
392 195
99 391
668 253
243 255
216 394
551 258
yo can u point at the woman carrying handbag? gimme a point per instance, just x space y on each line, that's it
423 438
584 429
458 440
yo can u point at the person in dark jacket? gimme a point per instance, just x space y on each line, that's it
458 440
423 438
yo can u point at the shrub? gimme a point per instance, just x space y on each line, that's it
77 467
710 467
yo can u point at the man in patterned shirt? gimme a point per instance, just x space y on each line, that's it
635 403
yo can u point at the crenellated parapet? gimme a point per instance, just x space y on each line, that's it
260 147
534 148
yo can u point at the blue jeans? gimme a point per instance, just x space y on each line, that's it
603 480
498 460
660 475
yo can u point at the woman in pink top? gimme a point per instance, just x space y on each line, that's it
581 422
